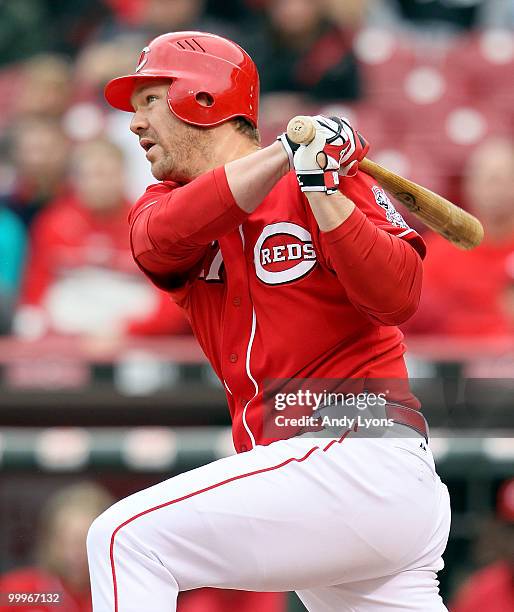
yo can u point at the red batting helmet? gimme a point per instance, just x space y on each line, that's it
197 63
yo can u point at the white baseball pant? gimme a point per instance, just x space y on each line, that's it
350 524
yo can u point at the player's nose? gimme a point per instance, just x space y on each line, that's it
139 122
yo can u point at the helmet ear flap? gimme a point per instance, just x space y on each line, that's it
185 100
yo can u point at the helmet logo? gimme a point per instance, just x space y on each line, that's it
143 58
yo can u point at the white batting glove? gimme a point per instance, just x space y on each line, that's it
315 169
336 150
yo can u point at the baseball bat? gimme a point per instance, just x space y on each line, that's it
439 214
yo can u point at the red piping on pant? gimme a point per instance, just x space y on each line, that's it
209 488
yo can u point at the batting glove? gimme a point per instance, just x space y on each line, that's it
336 150
290 147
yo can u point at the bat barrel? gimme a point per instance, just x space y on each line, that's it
453 223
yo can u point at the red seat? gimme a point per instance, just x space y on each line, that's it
383 58
486 62
462 130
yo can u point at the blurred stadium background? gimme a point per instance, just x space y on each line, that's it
101 383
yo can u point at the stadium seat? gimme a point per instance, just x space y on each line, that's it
486 61
383 59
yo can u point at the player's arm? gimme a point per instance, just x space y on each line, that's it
380 273
172 227
252 177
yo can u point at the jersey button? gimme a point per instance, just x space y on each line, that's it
233 357
236 301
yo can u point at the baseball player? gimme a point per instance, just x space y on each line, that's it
290 264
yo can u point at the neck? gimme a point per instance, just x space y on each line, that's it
228 146
231 145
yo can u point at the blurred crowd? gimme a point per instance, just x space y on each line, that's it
428 83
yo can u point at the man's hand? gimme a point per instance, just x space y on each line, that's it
336 150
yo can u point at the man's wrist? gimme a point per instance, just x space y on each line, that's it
283 155
318 181
330 211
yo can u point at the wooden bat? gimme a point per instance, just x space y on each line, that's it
456 225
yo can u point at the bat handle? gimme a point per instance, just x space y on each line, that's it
301 130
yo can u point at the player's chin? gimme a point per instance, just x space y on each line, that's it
156 172
159 170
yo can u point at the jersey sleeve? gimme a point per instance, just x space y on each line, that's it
374 202
171 226
376 259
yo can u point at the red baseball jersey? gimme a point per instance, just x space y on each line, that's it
270 296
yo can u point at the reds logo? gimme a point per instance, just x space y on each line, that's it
283 253
143 58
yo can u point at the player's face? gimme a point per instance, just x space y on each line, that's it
489 186
176 150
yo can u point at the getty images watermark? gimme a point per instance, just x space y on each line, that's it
327 407
329 410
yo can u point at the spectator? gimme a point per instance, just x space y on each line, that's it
100 61
492 588
468 293
40 152
150 18
304 51
351 13
81 278
12 250
46 86
61 552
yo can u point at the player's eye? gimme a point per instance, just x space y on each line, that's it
151 98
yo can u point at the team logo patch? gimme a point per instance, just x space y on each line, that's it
143 58
392 215
283 253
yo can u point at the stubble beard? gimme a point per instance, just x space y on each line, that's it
186 158
163 169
